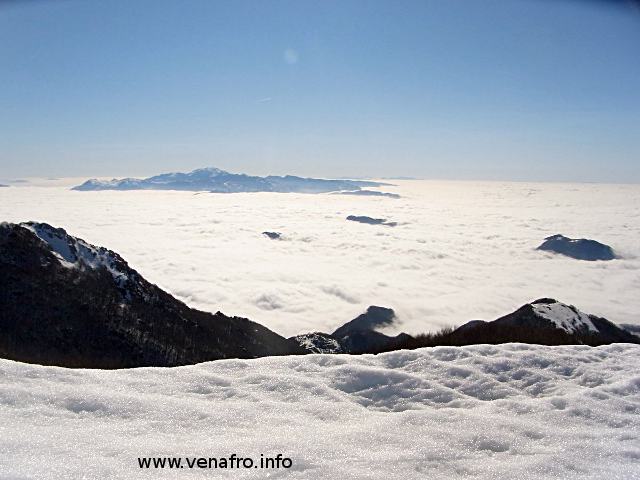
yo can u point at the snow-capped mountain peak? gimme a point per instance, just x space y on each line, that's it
545 321
211 171
74 252
563 316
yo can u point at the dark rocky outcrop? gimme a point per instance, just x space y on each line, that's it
581 249
371 221
374 317
65 302
357 336
272 235
370 193
632 329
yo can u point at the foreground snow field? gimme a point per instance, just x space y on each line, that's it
509 411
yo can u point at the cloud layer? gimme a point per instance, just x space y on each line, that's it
460 251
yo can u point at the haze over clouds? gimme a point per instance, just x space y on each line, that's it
460 251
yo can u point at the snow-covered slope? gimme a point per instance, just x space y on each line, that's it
565 317
549 322
74 252
482 412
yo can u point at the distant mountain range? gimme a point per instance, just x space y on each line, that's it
66 302
218 181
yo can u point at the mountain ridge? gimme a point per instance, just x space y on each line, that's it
66 302
215 180
544 321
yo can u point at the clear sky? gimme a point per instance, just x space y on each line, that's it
494 89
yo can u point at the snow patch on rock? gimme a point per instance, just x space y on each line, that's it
318 343
565 317
74 252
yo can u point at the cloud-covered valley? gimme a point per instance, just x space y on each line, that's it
459 251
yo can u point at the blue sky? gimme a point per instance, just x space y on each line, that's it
504 89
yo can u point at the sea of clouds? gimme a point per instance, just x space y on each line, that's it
460 251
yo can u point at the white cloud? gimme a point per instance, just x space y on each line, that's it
461 251
340 293
268 302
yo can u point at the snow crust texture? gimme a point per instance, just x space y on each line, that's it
482 412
